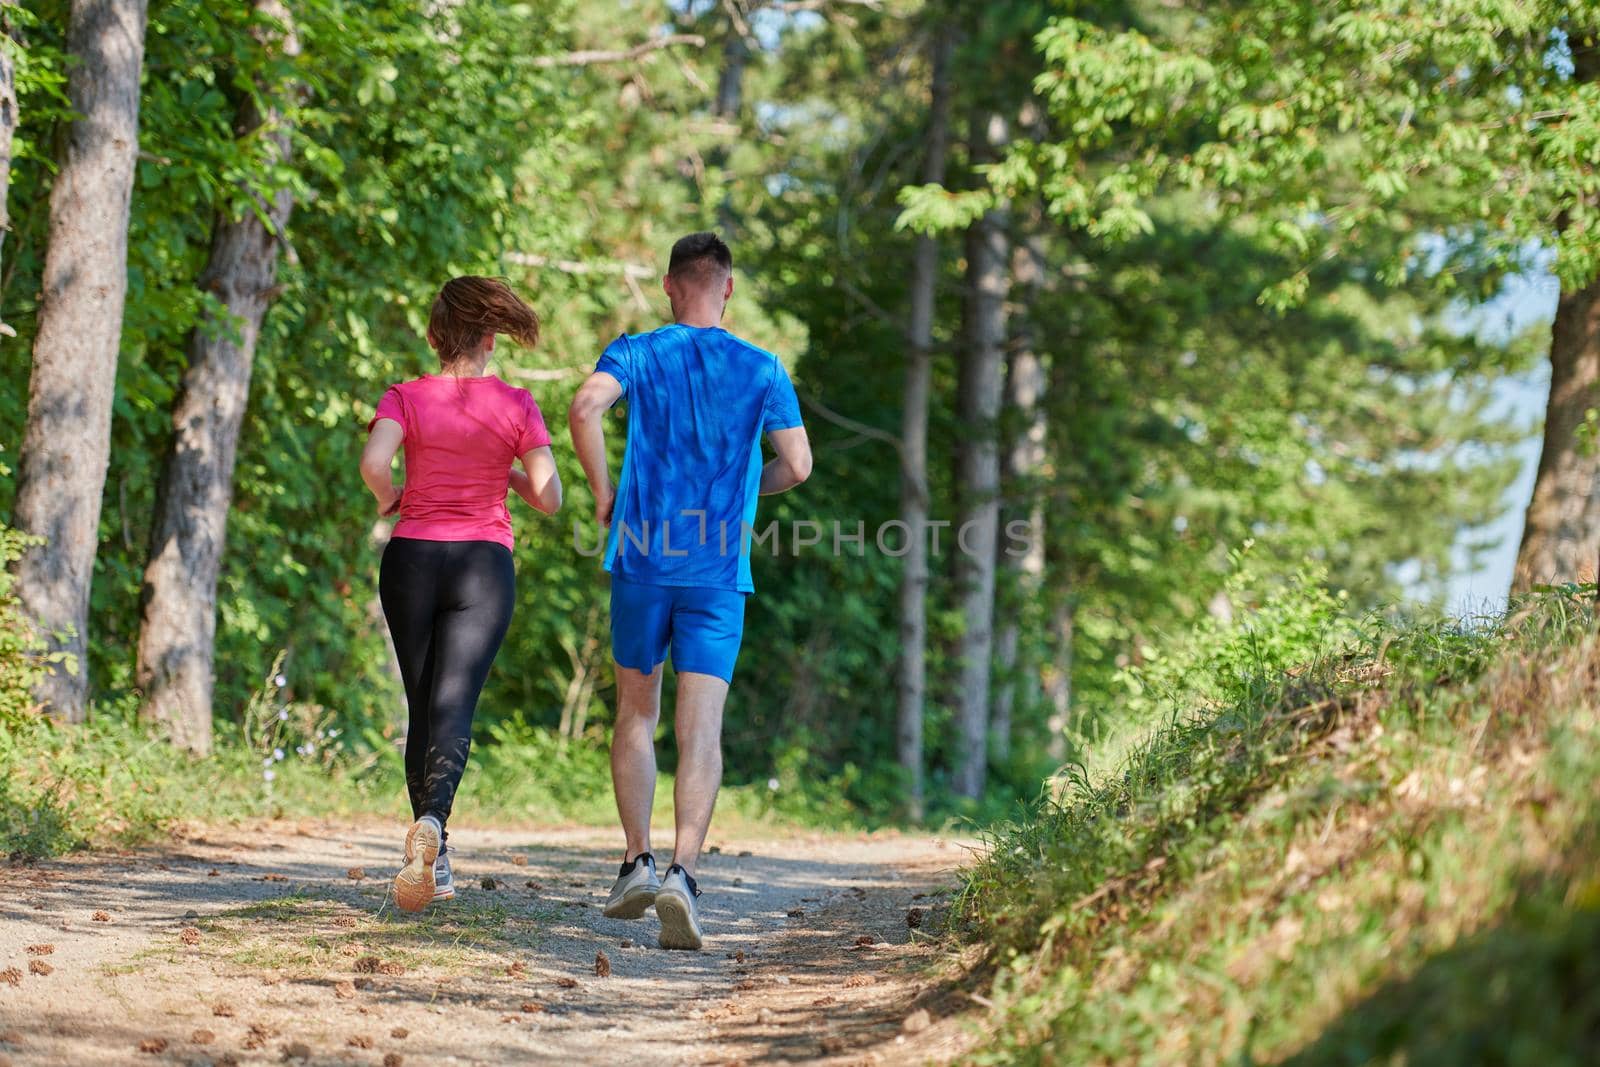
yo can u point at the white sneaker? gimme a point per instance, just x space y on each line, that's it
444 882
635 888
675 907
414 885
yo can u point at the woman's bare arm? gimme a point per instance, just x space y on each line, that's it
539 483
377 464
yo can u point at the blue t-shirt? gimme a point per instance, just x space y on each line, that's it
699 400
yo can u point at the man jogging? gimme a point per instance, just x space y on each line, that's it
699 401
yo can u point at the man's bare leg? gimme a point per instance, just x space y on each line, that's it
633 754
698 721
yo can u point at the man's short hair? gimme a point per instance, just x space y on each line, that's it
700 257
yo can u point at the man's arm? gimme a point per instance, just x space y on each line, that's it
377 461
792 464
594 399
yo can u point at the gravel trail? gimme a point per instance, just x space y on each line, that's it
275 943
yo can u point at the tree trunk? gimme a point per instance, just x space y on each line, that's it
1561 537
729 102
66 443
8 126
177 638
1025 387
914 444
981 383
1058 677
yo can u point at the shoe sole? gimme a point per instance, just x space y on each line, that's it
677 923
634 903
414 886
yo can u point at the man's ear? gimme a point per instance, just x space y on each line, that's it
727 289
666 286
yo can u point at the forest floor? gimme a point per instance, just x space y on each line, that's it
275 942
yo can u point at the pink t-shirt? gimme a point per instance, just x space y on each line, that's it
461 436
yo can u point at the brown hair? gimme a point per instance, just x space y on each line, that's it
469 307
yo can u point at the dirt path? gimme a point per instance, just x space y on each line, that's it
277 944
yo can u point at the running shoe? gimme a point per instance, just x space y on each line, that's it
414 885
675 907
444 882
635 888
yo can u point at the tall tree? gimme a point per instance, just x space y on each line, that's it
66 443
980 386
1561 534
1024 563
911 691
178 630
8 122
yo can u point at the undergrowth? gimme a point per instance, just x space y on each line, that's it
1384 854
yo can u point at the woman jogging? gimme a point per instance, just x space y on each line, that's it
447 581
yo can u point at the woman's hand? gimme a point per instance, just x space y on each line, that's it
377 462
391 506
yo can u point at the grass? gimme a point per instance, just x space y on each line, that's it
110 783
1389 854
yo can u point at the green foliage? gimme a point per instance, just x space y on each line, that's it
23 659
1335 128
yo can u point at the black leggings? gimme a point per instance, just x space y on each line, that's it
448 604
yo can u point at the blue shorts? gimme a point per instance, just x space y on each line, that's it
703 627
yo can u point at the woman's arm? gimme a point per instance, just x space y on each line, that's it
377 463
540 486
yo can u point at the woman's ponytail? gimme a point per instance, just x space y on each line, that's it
469 307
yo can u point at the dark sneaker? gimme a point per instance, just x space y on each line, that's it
444 882
414 885
635 889
675 907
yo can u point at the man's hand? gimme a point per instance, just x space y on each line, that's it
603 506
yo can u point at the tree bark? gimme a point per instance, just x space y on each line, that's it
67 440
1058 677
1025 387
8 125
1561 537
981 381
728 104
914 448
1561 534
178 631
